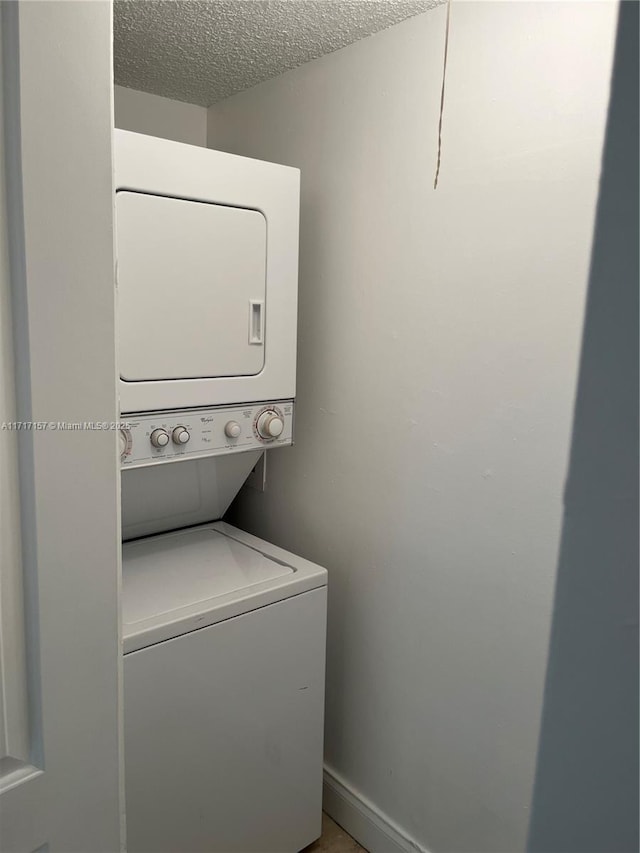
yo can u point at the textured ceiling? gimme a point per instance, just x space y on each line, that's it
201 51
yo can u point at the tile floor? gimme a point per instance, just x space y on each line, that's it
334 840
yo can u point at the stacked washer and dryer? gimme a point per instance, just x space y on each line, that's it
223 633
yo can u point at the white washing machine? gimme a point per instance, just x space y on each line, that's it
224 641
223 634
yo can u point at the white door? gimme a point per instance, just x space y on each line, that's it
191 288
60 768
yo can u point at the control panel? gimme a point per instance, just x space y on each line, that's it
152 437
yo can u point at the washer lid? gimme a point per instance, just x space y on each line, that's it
165 574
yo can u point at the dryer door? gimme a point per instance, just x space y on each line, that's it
191 288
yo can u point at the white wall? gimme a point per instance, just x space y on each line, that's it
586 794
156 116
439 335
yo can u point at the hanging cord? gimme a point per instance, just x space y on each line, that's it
444 74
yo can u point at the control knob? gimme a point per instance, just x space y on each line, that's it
122 441
269 425
180 435
232 429
159 438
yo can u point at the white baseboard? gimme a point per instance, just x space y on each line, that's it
361 819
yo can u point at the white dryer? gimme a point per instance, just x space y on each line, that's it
207 275
223 633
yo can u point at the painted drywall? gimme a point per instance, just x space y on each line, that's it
439 340
586 792
142 112
57 80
